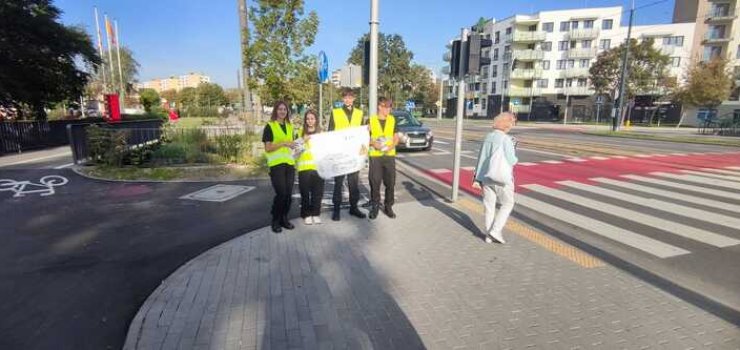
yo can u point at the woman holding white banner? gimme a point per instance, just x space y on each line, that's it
494 175
310 183
279 139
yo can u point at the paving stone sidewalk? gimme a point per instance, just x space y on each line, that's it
423 280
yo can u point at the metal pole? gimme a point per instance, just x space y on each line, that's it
239 88
459 122
100 51
117 35
598 111
565 115
321 101
441 92
373 86
617 119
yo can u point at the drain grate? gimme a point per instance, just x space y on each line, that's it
218 193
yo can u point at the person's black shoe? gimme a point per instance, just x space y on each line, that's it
276 227
335 215
356 212
374 212
285 223
389 212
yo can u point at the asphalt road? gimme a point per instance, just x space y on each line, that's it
697 220
76 265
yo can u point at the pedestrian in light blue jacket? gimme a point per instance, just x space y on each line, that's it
497 140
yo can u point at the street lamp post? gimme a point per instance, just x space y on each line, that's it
373 84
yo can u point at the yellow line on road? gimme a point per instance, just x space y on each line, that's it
567 251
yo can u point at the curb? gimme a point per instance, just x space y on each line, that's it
77 171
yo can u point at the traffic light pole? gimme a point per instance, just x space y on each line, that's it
617 119
373 83
460 114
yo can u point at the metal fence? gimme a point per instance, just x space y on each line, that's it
140 132
16 137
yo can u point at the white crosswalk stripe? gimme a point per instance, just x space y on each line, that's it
700 180
682 186
635 216
712 175
671 194
733 174
646 244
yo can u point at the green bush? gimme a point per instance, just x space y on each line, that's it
228 146
106 146
170 153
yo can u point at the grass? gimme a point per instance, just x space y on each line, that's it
730 141
198 173
194 122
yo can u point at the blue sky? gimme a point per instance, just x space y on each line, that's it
172 37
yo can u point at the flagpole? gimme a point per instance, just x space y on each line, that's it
100 48
120 71
110 52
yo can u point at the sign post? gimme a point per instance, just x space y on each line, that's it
323 72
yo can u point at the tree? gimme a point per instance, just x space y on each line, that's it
169 95
647 70
274 55
395 74
148 98
39 56
708 84
187 96
129 70
210 95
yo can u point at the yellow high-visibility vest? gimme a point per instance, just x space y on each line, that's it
305 160
282 155
376 131
342 121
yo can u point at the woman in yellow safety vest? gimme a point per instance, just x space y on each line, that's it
309 181
279 140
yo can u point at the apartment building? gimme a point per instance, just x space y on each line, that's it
540 63
175 83
716 27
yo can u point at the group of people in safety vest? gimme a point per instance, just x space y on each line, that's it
281 140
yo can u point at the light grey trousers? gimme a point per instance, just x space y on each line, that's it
496 220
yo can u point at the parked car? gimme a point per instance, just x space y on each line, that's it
416 136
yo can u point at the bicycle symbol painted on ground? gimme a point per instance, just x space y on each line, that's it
45 187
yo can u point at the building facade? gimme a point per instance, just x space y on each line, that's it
174 83
716 26
540 63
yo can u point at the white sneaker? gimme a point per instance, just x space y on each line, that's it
316 220
500 239
308 220
489 240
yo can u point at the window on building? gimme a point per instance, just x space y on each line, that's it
497 37
605 44
559 83
720 10
505 83
712 52
494 71
582 82
506 68
495 54
484 88
607 24
586 44
560 64
564 26
676 61
545 65
477 86
574 25
736 115
493 88
673 40
706 113
571 63
562 45
546 46
588 24
483 103
508 31
584 63
542 83
573 44
476 100
548 27
568 82
484 71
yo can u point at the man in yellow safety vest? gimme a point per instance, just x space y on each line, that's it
383 141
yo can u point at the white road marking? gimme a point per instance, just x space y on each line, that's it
578 160
620 157
440 142
440 171
679 154
469 157
37 159
526 164
469 168
540 152
723 171
552 162
643 155
599 158
64 166
700 180
713 175
44 188
671 184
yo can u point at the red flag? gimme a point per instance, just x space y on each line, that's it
111 33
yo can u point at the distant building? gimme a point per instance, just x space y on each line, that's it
174 83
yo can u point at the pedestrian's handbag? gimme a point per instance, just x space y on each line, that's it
499 170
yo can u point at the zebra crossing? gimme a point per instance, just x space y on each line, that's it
661 214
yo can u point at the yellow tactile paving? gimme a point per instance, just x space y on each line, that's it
567 251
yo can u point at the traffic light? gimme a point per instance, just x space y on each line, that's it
476 43
453 56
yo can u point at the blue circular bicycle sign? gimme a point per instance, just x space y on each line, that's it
323 67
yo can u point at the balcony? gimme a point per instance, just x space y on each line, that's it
581 34
528 37
719 16
582 53
712 38
526 73
575 73
523 91
576 91
507 56
529 55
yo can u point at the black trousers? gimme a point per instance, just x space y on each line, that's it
312 191
353 180
282 177
382 170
